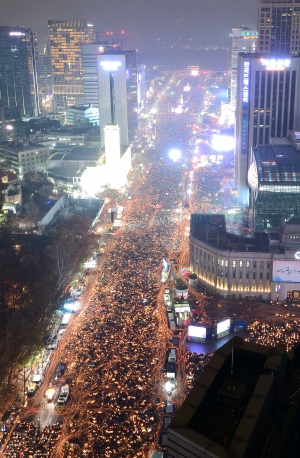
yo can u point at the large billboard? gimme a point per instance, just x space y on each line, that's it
196 332
286 271
223 326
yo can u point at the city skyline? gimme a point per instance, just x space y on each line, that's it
150 26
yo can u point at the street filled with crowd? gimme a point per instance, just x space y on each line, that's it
116 345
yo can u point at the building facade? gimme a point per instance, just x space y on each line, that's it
274 182
25 157
247 407
268 105
97 79
66 38
243 40
82 114
265 266
279 26
19 69
45 80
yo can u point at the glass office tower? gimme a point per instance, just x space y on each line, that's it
66 38
268 105
19 69
279 26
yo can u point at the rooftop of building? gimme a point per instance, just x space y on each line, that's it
211 229
277 163
222 408
77 154
266 55
79 107
7 176
72 130
19 146
64 175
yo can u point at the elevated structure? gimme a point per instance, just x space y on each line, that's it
66 38
274 180
82 114
279 26
231 412
268 105
110 83
19 69
265 266
243 40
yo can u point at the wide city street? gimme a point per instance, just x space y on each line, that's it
115 346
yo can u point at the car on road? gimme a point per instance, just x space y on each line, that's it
30 393
60 369
63 396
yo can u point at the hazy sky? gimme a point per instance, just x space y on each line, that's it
200 22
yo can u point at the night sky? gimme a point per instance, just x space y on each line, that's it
153 25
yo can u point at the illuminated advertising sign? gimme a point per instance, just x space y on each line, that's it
249 34
196 332
276 64
245 106
110 65
223 327
16 34
286 271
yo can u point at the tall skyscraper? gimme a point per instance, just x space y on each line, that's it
66 38
112 94
99 76
268 105
242 40
19 69
45 79
90 67
279 26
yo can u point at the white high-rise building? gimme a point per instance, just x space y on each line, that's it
117 158
112 94
243 40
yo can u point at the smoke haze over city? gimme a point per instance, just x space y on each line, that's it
151 27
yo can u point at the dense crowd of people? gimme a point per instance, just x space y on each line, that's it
268 333
194 365
29 441
114 358
118 345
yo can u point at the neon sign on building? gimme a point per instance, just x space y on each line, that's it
16 34
110 65
245 106
276 64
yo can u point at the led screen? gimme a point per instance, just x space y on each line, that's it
286 271
223 326
197 331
